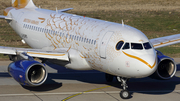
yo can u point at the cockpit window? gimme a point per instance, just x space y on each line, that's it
147 45
136 46
126 46
119 45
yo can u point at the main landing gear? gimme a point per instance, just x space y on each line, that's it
124 94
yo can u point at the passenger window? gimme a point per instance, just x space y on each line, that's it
147 45
126 46
66 35
136 46
60 34
84 39
74 37
79 38
119 45
87 40
94 42
70 37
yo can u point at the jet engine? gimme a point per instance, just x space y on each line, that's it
166 67
28 72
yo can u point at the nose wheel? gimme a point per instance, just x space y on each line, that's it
124 94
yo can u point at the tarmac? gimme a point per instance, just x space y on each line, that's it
70 85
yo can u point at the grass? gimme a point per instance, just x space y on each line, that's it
155 18
153 24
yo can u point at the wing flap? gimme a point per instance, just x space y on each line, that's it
49 55
165 41
39 53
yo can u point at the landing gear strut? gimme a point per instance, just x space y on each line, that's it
124 93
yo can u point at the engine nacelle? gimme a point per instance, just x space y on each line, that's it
28 73
166 67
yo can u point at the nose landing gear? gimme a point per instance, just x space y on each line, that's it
124 94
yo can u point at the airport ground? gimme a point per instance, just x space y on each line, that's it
69 85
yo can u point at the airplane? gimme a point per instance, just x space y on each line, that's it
82 43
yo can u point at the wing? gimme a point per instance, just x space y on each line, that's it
165 41
59 55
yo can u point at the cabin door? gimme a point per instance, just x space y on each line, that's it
104 43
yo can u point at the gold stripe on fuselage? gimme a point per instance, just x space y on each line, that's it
143 61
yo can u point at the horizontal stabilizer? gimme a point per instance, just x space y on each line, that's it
5 17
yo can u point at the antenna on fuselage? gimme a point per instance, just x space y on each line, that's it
39 7
122 23
56 10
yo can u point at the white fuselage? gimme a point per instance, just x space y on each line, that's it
95 40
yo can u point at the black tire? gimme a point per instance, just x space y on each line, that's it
109 77
124 94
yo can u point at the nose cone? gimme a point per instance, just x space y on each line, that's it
141 63
147 65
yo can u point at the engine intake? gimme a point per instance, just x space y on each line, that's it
166 67
28 73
